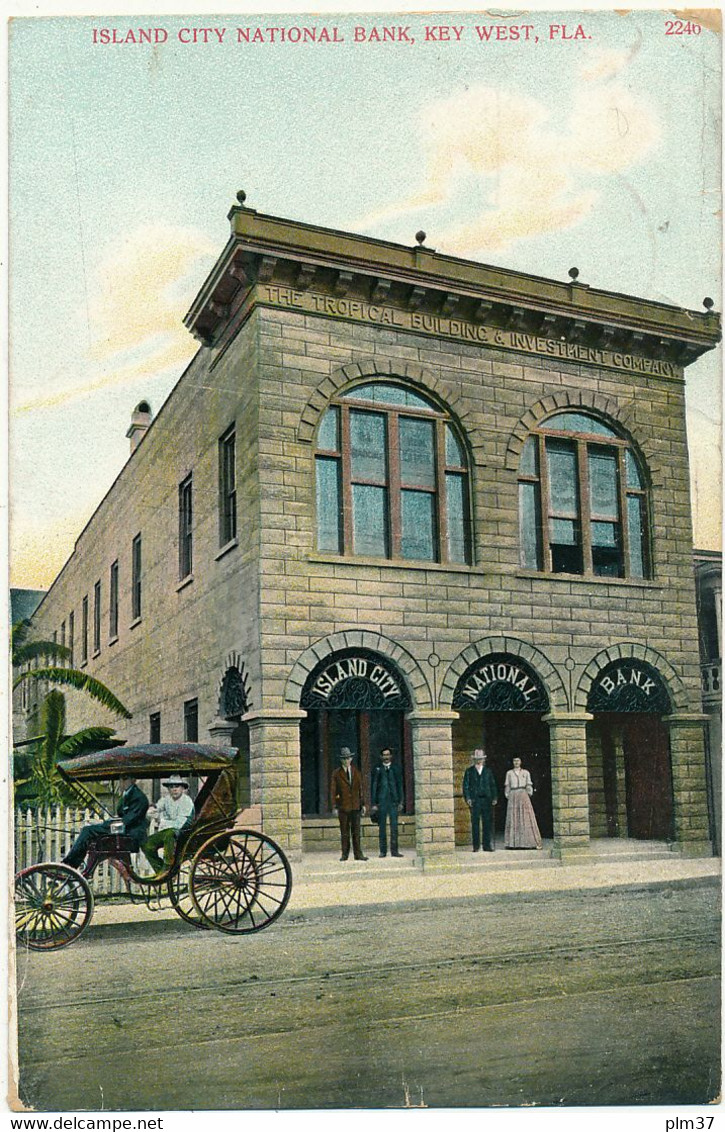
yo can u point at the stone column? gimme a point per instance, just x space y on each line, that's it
221 731
569 784
274 767
689 783
433 768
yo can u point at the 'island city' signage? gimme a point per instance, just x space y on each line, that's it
356 680
500 682
629 685
460 329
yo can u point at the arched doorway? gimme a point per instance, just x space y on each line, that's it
628 755
233 704
358 699
502 702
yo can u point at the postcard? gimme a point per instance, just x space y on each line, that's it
365 564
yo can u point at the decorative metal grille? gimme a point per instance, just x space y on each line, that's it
355 680
629 685
234 698
500 682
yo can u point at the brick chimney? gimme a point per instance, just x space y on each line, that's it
140 421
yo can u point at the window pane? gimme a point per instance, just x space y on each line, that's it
604 534
565 532
530 458
578 422
417 465
456 513
634 479
529 526
416 522
386 394
328 505
454 452
327 436
606 550
367 446
370 520
637 536
603 483
563 492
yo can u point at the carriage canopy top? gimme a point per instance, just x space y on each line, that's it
148 761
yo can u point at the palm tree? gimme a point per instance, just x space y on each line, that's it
25 652
43 784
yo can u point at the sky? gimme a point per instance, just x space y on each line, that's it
600 151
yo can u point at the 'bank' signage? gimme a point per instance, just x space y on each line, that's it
629 685
500 682
355 680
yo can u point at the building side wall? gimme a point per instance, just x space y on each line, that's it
177 651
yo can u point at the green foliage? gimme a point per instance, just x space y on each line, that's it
37 781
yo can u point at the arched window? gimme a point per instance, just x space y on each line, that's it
392 478
582 500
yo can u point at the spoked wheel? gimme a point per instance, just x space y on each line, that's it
180 895
240 881
53 906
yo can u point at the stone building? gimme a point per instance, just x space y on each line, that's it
403 499
708 578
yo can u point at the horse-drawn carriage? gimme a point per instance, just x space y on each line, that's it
222 875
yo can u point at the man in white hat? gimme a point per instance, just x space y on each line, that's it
175 812
480 794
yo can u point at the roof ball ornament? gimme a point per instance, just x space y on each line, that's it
241 197
420 237
573 274
708 304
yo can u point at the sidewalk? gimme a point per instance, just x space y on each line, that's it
324 885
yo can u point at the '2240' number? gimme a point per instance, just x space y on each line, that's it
680 27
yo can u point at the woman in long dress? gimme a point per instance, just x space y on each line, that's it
522 831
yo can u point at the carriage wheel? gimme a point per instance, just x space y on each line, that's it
53 906
240 881
180 896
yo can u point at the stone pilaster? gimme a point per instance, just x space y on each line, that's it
689 783
274 761
433 768
569 784
221 731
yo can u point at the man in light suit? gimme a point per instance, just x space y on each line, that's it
346 792
386 793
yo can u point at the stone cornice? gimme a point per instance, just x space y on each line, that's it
306 258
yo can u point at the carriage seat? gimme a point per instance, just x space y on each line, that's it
113 844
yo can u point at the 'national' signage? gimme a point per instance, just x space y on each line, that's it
500 682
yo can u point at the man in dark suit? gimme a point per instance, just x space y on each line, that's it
481 794
132 808
346 792
386 795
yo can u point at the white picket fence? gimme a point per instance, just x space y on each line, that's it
46 835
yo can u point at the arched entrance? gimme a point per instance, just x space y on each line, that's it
358 699
628 755
233 704
501 701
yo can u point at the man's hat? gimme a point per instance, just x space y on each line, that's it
478 755
345 753
175 780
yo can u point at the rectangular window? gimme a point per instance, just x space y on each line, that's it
97 618
227 487
186 560
84 630
155 727
191 721
62 633
71 629
113 602
564 520
136 578
329 524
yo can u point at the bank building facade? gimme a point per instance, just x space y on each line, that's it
401 499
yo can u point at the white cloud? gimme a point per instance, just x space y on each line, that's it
535 174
